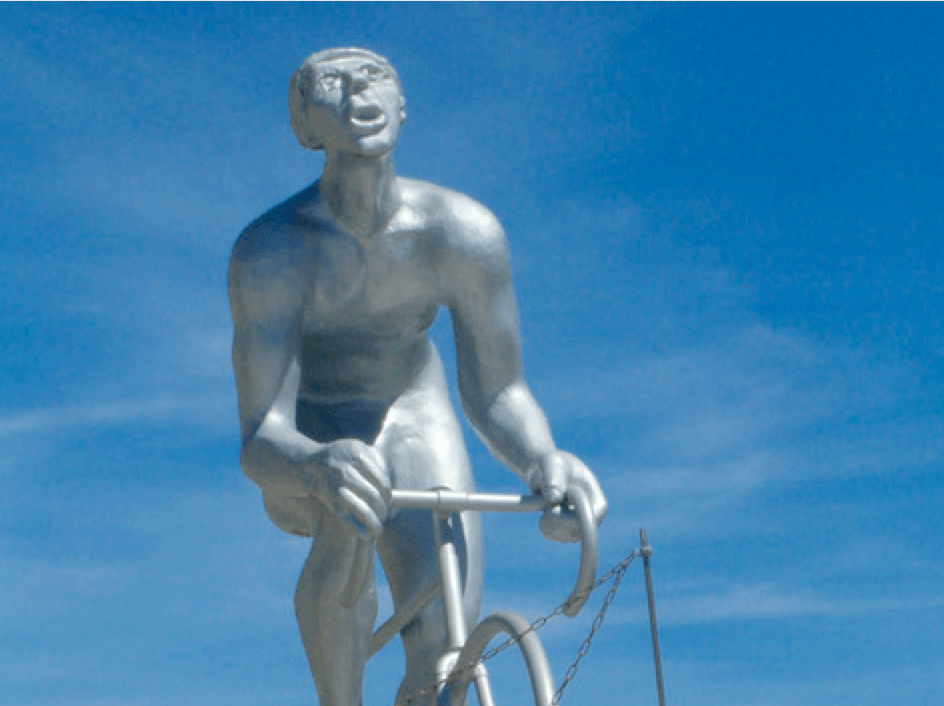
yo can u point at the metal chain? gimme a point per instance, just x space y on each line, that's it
615 575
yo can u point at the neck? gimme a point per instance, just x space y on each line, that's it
361 191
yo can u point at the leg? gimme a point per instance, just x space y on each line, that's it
422 443
336 639
408 552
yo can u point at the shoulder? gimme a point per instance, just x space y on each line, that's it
468 228
277 235
475 251
266 261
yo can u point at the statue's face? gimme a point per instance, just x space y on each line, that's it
356 106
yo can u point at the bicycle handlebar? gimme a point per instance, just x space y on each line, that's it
589 553
456 501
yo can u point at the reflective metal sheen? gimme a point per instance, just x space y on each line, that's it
342 396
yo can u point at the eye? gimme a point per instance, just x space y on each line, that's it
329 81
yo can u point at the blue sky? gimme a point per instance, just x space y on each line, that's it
726 229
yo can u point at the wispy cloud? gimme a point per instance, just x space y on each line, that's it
108 413
700 428
774 601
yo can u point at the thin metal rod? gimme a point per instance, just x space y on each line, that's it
457 501
456 631
483 686
516 627
646 552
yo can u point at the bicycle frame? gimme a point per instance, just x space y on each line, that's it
460 663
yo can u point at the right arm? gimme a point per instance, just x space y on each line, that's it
265 361
346 476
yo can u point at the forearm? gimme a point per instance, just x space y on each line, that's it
514 428
277 458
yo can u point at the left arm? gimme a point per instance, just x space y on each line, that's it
492 388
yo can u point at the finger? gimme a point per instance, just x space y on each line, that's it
371 465
584 478
600 508
361 487
359 514
596 497
554 482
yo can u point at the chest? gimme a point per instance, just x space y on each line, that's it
384 283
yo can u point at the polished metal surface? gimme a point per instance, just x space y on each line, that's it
589 553
454 501
342 396
539 670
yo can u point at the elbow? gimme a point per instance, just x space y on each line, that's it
255 455
484 411
477 408
249 459
477 417
275 457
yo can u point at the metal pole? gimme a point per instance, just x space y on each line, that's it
646 552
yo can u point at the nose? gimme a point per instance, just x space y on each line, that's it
355 80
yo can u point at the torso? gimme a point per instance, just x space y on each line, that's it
366 304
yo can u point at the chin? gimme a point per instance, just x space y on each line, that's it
374 147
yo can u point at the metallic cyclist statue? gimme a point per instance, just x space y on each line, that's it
342 395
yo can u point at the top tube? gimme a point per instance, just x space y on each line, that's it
458 501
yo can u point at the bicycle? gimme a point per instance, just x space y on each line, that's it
460 664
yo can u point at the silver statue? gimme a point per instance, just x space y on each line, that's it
342 395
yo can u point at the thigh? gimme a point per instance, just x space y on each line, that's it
409 555
407 545
422 444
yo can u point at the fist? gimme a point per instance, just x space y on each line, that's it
351 479
554 476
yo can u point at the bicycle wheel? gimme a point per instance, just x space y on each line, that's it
539 670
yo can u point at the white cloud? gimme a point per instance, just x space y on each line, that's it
108 413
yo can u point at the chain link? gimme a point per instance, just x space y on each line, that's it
615 575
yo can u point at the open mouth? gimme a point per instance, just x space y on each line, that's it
368 118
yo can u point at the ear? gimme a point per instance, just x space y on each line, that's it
402 109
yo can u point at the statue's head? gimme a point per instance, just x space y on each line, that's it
346 98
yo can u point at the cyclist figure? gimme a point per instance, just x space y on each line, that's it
342 395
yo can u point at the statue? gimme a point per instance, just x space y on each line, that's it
342 395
